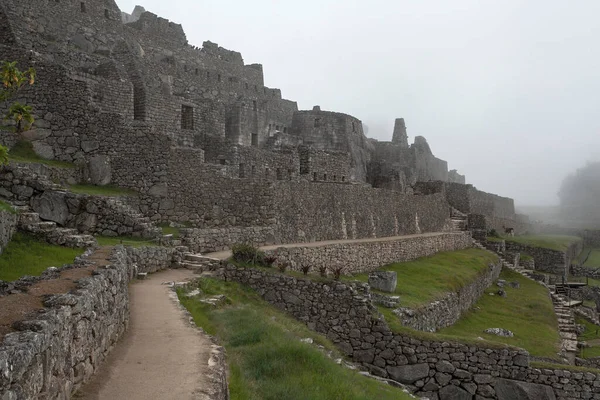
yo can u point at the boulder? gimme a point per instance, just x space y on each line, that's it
43 150
408 374
52 206
99 170
36 133
507 389
385 281
499 332
452 392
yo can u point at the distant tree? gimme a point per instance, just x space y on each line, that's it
13 81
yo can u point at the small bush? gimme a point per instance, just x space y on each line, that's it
270 261
305 269
493 233
337 272
282 266
246 253
323 271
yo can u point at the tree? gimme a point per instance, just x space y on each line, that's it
13 80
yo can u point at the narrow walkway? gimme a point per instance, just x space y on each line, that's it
161 356
223 255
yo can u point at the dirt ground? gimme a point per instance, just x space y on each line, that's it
162 356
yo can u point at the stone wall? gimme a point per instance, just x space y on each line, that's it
547 260
217 239
368 255
8 226
447 310
58 350
441 370
89 214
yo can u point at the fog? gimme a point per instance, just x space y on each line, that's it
505 91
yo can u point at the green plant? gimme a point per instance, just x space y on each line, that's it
270 261
337 272
323 271
305 269
13 80
282 266
493 233
3 155
247 253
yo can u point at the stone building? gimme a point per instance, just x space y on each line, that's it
196 132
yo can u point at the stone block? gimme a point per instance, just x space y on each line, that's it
507 389
452 392
99 170
52 206
385 281
408 373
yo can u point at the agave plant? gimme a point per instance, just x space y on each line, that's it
21 115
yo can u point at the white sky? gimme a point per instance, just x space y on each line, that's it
506 91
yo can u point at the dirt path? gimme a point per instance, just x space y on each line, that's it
162 356
223 255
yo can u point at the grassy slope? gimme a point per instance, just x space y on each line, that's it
266 358
527 312
553 242
594 259
422 281
590 335
26 255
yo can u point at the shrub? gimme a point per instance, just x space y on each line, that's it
493 233
270 261
305 269
323 271
246 253
282 266
337 272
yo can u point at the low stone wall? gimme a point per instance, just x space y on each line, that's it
446 311
547 260
438 370
577 270
368 255
60 349
217 239
62 175
8 226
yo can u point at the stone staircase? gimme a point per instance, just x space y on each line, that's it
141 223
458 221
30 222
199 263
562 307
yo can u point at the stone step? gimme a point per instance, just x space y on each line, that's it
195 257
27 218
44 226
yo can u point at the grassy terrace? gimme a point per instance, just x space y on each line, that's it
591 335
124 240
594 258
422 281
526 311
25 255
265 355
552 242
23 152
111 191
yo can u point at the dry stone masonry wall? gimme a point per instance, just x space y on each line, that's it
435 369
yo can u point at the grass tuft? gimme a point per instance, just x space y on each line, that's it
26 255
4 206
265 355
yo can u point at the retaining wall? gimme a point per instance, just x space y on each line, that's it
446 311
8 226
436 369
60 349
547 260
368 255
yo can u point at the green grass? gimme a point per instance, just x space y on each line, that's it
169 230
552 242
592 332
4 206
106 190
424 280
266 358
124 240
525 257
527 312
23 152
594 259
26 255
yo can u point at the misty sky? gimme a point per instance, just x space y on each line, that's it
506 91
